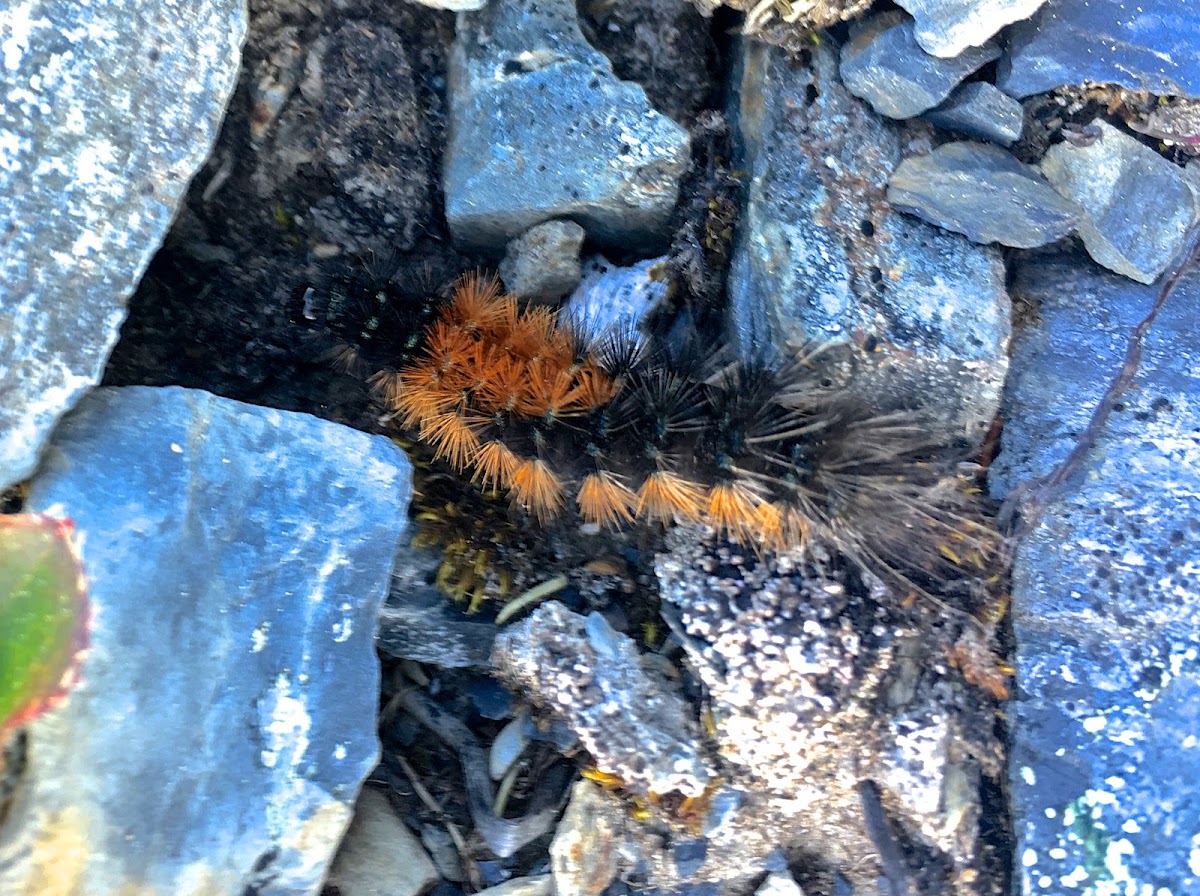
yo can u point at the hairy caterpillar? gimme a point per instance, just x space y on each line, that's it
625 429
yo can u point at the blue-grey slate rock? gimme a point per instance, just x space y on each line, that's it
984 193
237 557
1104 732
820 256
541 128
102 126
1137 205
883 64
1151 45
947 27
982 111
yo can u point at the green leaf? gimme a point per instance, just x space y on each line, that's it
43 616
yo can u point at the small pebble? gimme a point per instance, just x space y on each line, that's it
542 264
980 110
508 746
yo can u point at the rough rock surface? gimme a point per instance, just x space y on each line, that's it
947 27
237 557
818 684
1104 758
584 856
1149 45
820 256
984 193
1137 205
421 624
627 716
883 64
92 171
353 120
540 128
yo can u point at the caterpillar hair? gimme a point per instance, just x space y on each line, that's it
628 429
375 324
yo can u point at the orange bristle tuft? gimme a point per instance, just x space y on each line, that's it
553 394
596 387
452 437
795 527
665 497
494 465
733 510
605 500
537 489
504 384
531 335
448 345
769 523
478 303
421 394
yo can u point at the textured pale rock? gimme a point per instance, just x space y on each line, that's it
237 556
380 856
541 128
102 126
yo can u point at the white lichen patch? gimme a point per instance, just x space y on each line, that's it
285 724
334 560
17 25
258 637
343 628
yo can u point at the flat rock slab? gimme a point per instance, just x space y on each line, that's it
92 171
947 27
380 855
1137 205
1151 45
983 193
1104 759
541 128
883 64
237 558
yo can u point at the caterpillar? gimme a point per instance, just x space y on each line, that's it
622 429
